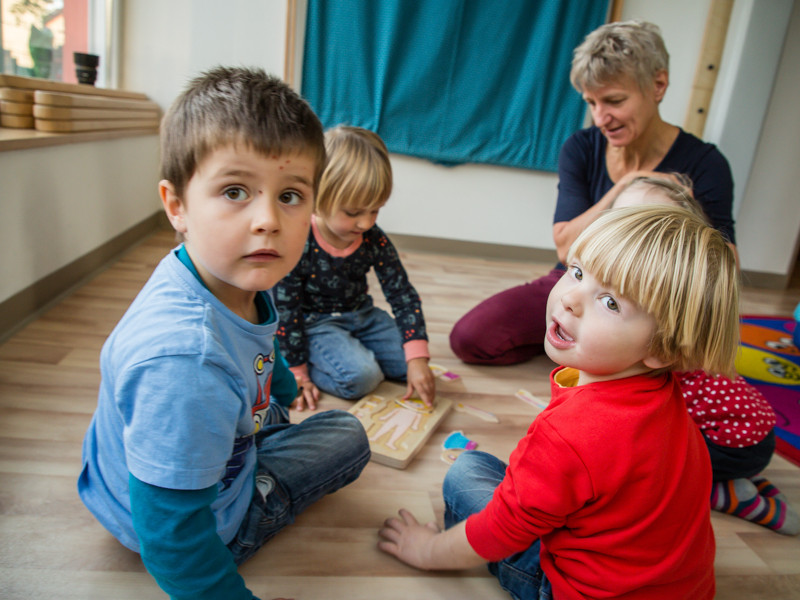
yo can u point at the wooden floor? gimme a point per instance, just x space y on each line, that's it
51 547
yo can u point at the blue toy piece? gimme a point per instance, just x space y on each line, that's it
796 336
457 439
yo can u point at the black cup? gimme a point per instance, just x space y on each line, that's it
86 67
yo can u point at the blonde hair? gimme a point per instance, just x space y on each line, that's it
632 49
358 174
679 270
675 187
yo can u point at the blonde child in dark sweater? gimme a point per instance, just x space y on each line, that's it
331 334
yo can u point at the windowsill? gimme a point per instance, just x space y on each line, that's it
22 139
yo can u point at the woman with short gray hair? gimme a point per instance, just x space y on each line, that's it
622 71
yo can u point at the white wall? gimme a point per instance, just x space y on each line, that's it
167 43
744 87
516 206
61 202
508 206
53 212
769 219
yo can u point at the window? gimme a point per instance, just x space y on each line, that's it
38 37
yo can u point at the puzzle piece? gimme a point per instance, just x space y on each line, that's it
415 404
458 440
481 414
439 371
449 455
529 398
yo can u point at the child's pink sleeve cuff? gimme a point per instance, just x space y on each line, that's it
300 372
416 349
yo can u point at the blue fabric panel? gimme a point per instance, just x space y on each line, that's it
452 81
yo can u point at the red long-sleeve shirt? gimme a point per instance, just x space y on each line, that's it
614 477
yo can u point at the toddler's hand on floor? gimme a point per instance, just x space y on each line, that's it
420 379
308 395
407 539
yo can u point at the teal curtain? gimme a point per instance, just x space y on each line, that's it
453 81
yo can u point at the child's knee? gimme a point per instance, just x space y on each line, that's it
349 428
473 470
464 341
357 385
457 475
344 436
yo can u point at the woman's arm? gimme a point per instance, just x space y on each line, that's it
566 232
579 174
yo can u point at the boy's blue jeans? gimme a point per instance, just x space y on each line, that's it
350 353
468 486
297 465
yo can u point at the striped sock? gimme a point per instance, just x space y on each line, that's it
740 497
766 488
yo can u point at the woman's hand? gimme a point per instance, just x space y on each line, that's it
420 379
566 232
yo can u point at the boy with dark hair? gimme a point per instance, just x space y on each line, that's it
190 458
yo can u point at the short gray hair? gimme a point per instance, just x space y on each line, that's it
625 48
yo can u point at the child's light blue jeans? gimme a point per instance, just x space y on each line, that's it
468 486
297 465
349 354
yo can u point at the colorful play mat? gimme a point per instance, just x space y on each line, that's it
770 361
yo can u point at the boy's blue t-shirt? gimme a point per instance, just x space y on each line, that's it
185 385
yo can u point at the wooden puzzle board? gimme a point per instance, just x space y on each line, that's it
396 433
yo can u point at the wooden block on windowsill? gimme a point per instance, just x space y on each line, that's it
15 95
63 100
17 121
72 126
24 109
33 83
58 113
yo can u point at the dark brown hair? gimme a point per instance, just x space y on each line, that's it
237 106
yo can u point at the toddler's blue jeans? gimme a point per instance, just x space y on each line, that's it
297 465
468 486
350 353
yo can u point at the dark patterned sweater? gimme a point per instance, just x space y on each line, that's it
327 280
